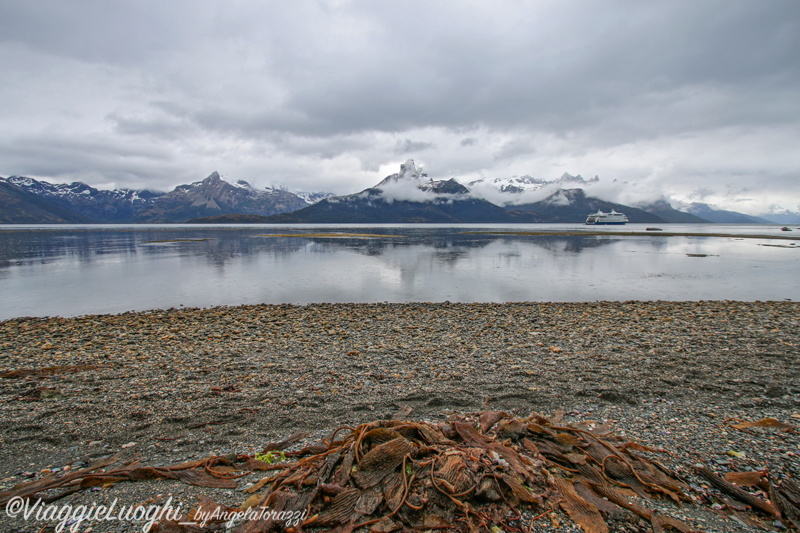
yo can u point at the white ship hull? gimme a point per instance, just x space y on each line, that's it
607 219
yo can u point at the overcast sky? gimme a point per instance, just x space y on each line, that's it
697 99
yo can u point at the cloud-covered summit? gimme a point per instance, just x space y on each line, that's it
409 173
413 185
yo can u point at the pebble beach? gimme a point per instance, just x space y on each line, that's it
174 385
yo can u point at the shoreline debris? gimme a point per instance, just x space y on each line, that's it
487 471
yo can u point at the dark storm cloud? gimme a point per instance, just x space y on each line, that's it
676 97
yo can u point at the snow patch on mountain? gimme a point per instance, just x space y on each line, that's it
559 198
243 185
519 190
313 197
212 195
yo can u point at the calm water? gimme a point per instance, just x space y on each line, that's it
75 270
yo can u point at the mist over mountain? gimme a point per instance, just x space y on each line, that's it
413 185
664 210
720 216
573 205
408 196
780 215
520 190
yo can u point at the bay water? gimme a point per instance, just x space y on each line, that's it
63 270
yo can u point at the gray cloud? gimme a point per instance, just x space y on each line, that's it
690 99
407 146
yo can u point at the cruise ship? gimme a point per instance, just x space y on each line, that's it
612 218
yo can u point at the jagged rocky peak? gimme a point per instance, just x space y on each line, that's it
566 177
212 179
20 181
215 178
408 171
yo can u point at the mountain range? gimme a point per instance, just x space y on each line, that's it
408 196
26 200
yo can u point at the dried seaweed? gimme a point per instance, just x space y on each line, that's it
738 493
744 425
200 473
470 474
786 497
582 512
745 479
49 371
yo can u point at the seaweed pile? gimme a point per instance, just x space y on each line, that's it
485 472
467 474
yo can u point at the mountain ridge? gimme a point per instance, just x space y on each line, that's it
207 197
408 196
22 207
721 216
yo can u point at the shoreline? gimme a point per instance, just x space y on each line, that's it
173 385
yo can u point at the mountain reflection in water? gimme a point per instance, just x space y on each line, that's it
80 270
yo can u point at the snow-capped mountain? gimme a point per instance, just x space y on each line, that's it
572 206
518 184
18 206
96 204
208 197
522 189
515 184
412 180
408 196
214 196
313 197
409 173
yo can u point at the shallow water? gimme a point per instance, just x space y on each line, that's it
76 270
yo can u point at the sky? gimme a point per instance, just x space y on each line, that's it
692 100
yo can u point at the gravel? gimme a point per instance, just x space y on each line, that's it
179 384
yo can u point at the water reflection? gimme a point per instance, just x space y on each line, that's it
79 271
219 247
